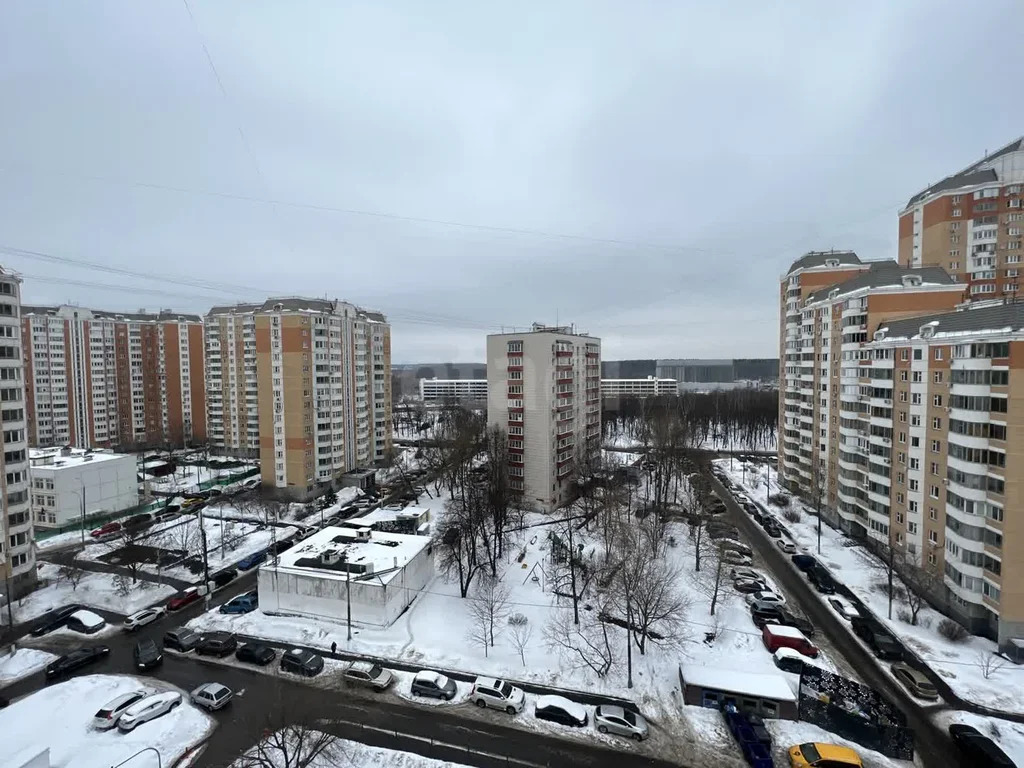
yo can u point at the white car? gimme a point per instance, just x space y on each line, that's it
497 694
106 718
211 696
148 709
844 609
732 557
765 597
143 617
746 573
786 546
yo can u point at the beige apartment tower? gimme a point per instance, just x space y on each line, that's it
17 555
111 379
544 390
305 385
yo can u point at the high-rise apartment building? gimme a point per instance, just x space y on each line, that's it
103 379
17 557
544 390
971 224
305 384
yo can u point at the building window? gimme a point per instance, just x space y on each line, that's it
937 400
936 422
903 374
937 377
936 446
935 468
933 537
934 492
904 354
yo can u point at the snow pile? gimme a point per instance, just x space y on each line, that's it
97 590
22 663
787 733
76 745
352 754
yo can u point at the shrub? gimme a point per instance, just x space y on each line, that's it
952 631
791 515
517 620
904 615
779 499
883 587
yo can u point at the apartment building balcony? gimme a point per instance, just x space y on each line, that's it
880 440
564 428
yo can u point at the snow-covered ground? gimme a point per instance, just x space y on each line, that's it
74 744
1008 735
22 663
97 590
629 440
959 663
186 478
351 754
787 733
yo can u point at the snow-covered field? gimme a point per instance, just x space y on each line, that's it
186 479
859 569
97 590
351 754
628 440
74 744
1009 736
22 663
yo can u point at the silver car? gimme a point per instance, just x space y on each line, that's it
622 722
106 718
211 696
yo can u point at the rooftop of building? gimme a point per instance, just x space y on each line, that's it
813 259
979 172
384 515
233 309
643 379
988 320
559 330
142 316
66 458
296 304
886 274
382 554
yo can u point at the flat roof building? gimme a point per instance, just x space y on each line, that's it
71 483
382 573
646 387
442 390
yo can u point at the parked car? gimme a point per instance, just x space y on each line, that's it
558 709
55 619
790 619
143 617
786 546
732 557
881 642
185 598
749 586
611 718
223 578
107 529
746 573
772 530
736 546
975 745
211 696
843 608
497 694
789 660
252 560
775 636
241 604
148 709
367 675
302 662
77 659
818 755
147 655
217 644
767 605
766 616
254 653
914 681
86 622
766 597
107 716
181 639
138 521
164 515
822 580
433 685
803 562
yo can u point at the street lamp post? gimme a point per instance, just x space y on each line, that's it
159 762
348 594
81 500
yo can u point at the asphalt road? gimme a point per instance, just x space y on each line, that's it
931 743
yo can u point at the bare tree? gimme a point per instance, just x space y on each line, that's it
919 581
989 664
583 645
520 632
711 579
126 539
489 606
571 574
292 746
456 541
72 574
122 585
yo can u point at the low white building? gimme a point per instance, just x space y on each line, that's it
380 572
439 390
647 387
63 479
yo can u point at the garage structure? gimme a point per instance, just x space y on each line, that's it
381 573
764 694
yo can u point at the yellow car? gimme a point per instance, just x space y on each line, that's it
818 755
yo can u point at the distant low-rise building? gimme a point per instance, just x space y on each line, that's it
441 390
66 481
380 573
646 387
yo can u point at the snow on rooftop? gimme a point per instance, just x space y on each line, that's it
762 684
54 458
382 550
382 514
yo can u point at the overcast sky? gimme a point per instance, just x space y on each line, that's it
644 169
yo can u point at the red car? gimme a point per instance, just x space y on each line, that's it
105 529
183 598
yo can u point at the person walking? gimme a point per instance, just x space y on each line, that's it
334 647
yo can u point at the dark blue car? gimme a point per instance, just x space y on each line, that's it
252 560
241 604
